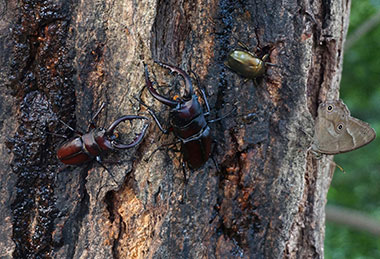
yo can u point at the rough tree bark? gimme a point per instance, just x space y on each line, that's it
60 59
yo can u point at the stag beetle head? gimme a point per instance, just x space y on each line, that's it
107 139
177 101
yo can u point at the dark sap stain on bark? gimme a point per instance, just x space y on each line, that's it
236 204
242 206
42 82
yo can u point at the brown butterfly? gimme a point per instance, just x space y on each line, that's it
337 132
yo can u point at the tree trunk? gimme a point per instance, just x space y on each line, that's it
264 195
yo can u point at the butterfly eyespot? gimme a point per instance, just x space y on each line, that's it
340 127
330 108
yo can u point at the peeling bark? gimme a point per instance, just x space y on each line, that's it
265 195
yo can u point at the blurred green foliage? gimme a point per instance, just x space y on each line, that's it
358 188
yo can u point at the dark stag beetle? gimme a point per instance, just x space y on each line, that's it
187 120
85 147
247 64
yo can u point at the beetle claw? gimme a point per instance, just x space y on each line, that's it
137 140
154 93
186 77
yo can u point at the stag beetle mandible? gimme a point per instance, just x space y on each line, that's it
187 120
85 147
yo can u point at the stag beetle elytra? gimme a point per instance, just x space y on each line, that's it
246 63
85 147
187 120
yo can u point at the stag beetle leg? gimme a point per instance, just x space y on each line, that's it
91 125
206 102
223 117
164 146
186 77
99 161
203 93
138 139
165 131
151 112
204 97
70 128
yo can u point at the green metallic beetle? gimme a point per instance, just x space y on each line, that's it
247 64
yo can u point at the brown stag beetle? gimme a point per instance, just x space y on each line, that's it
247 64
187 120
85 147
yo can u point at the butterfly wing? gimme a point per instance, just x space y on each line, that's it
361 134
353 135
326 139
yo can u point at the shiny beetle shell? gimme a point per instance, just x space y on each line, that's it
71 152
187 120
246 64
83 148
